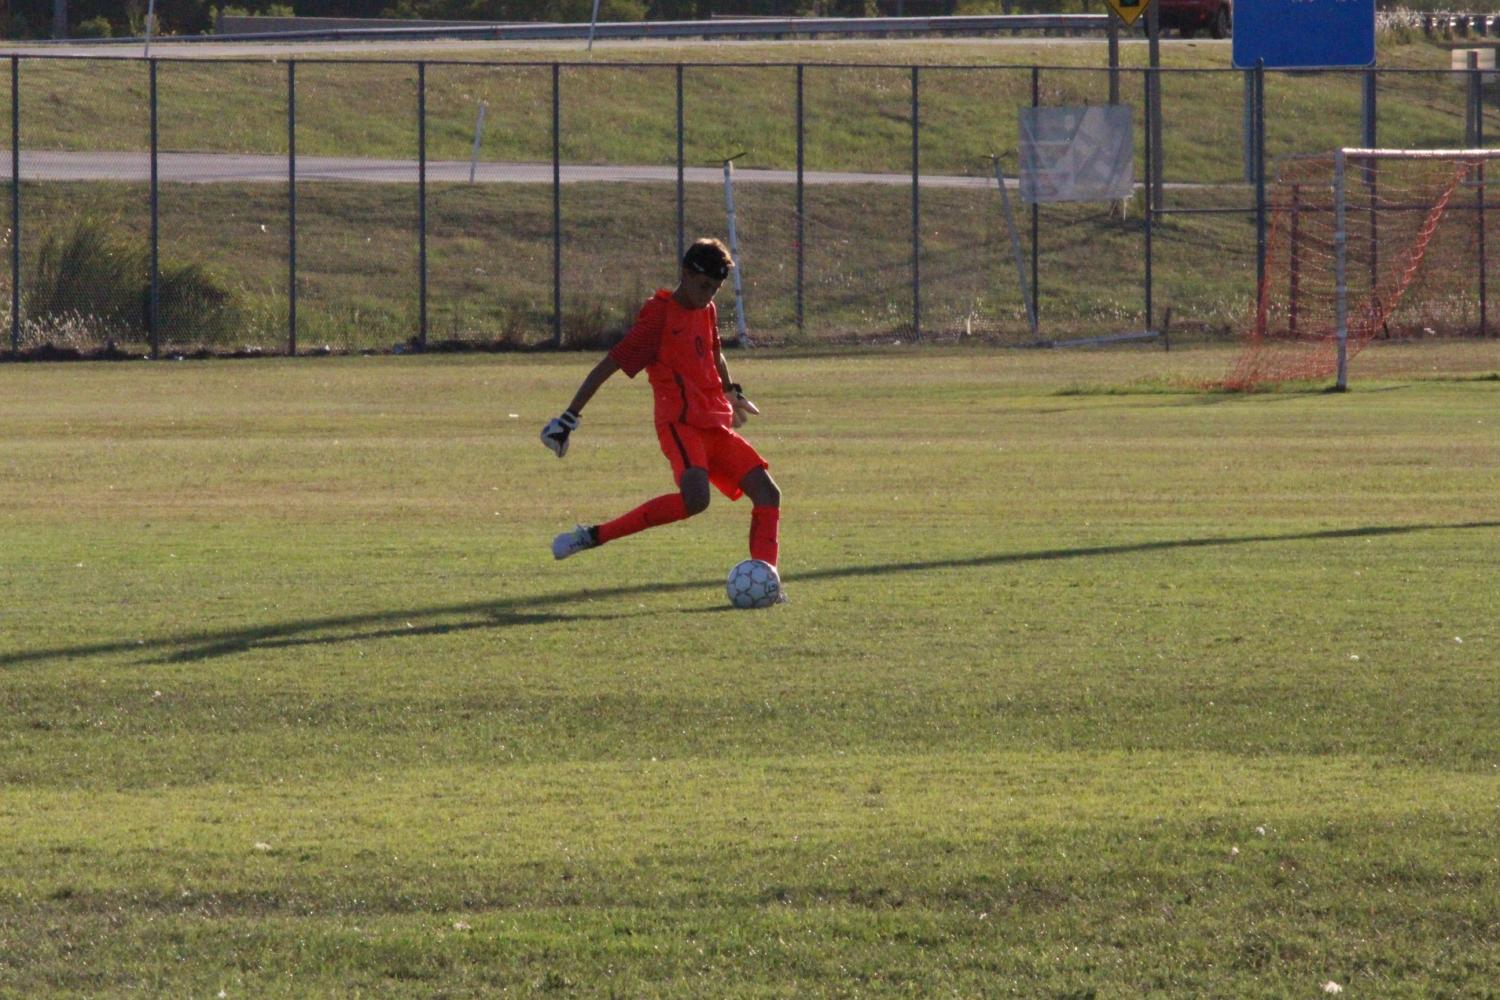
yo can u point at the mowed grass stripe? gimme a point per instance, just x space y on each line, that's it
524 814
1181 871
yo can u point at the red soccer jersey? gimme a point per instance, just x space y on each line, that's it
677 347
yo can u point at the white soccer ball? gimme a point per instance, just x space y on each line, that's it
753 584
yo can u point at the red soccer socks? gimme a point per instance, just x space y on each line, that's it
664 509
765 524
765 528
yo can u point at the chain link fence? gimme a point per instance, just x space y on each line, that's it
184 206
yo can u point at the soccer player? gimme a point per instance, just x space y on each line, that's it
675 340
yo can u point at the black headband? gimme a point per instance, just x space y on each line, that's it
716 270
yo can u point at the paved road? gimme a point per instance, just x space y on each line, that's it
239 168
223 168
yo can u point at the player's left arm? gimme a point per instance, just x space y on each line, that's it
743 408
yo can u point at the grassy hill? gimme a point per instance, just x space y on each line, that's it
490 246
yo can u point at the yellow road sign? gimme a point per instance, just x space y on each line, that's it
1128 10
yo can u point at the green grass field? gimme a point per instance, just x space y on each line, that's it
1091 685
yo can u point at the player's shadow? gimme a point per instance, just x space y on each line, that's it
278 638
572 606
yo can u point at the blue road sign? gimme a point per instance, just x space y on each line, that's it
1304 34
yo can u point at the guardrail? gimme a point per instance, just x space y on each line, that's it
1482 25
235 28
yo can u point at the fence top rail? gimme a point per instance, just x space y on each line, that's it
281 60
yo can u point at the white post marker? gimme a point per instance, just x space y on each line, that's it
478 134
1341 257
150 23
1015 245
593 23
734 251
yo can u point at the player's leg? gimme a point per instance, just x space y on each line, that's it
691 498
761 488
685 451
737 469
653 513
765 515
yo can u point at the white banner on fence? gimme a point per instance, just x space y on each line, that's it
1077 154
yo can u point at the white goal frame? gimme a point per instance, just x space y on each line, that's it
1340 235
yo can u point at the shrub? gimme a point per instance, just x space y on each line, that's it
94 27
85 276
193 305
88 287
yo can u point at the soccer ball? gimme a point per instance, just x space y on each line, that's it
753 584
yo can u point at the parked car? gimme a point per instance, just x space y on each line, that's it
1190 16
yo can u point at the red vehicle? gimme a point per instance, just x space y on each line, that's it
1189 16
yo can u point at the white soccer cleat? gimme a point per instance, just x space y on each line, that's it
569 542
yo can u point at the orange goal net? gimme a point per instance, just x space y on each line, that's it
1365 244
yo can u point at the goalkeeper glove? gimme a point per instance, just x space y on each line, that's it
743 408
555 434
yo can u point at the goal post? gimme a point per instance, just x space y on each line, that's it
1341 267
1366 244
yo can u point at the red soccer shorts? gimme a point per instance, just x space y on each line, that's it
727 456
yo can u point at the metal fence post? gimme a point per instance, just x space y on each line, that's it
291 206
1370 131
1371 171
153 328
1036 213
681 171
801 213
1479 199
1150 158
1471 115
557 334
1154 195
916 212
15 204
1247 128
1260 181
1113 37
422 205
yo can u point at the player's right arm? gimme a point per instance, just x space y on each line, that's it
630 355
600 374
555 434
